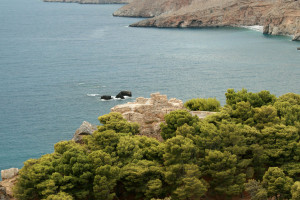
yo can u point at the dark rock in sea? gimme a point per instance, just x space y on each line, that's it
298 48
124 93
106 97
85 129
120 96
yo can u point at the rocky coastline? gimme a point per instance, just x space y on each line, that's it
277 17
9 178
92 1
147 112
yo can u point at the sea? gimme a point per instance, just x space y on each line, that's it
57 59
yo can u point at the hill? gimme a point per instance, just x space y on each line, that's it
278 17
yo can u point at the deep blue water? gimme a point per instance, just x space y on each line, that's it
54 55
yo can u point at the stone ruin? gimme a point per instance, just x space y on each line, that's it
149 112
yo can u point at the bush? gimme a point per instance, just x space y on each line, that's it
210 104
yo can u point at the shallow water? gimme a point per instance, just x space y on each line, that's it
56 59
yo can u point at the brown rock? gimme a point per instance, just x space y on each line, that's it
85 129
90 1
142 8
9 173
9 178
149 112
3 195
296 37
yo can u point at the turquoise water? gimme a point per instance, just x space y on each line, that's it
55 57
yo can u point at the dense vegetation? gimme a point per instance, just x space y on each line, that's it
251 145
200 104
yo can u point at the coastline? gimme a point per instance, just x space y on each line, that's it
90 1
269 17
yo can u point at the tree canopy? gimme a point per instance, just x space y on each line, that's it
251 146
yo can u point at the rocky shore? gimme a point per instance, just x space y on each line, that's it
91 1
278 17
147 112
9 178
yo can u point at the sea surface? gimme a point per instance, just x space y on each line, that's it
56 59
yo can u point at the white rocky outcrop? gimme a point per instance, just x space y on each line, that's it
149 112
9 173
9 178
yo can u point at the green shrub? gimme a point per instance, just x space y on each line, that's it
210 104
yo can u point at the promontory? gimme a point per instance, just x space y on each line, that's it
278 17
91 1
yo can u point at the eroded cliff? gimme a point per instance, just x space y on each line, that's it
278 17
91 1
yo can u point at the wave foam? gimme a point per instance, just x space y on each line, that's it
92 95
255 28
116 99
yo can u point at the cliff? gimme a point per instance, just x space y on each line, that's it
278 17
146 8
9 178
90 1
148 112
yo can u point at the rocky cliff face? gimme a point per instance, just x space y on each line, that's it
91 1
278 17
9 178
149 112
144 8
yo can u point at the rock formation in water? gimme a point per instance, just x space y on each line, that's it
91 1
149 112
278 17
9 178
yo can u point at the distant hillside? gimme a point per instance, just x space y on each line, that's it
278 17
91 1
